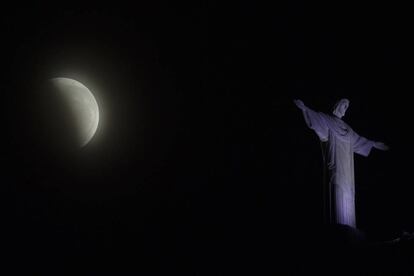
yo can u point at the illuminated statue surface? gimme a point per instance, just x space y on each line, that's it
342 142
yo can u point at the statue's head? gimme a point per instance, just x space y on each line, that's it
340 108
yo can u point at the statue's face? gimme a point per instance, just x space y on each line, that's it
340 108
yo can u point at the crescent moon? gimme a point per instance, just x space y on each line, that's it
82 105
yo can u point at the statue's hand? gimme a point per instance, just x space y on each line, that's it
300 104
381 146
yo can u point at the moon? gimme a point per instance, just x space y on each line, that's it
82 106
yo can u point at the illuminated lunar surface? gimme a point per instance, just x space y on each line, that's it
82 105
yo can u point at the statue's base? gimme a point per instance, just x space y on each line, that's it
339 234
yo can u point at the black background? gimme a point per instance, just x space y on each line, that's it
201 163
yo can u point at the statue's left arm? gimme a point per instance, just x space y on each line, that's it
363 146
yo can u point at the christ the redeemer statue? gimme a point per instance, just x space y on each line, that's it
342 142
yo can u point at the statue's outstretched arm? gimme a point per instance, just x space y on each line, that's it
314 120
300 104
381 146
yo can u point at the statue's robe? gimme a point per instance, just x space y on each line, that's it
342 142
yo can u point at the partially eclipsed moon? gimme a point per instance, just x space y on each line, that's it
82 106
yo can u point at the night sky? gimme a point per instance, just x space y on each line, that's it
201 163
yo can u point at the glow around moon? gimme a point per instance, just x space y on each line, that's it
82 105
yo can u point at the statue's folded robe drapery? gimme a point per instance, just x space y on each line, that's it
342 143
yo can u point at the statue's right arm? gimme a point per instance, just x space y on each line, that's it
307 112
300 105
314 120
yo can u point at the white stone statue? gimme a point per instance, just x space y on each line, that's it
342 142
